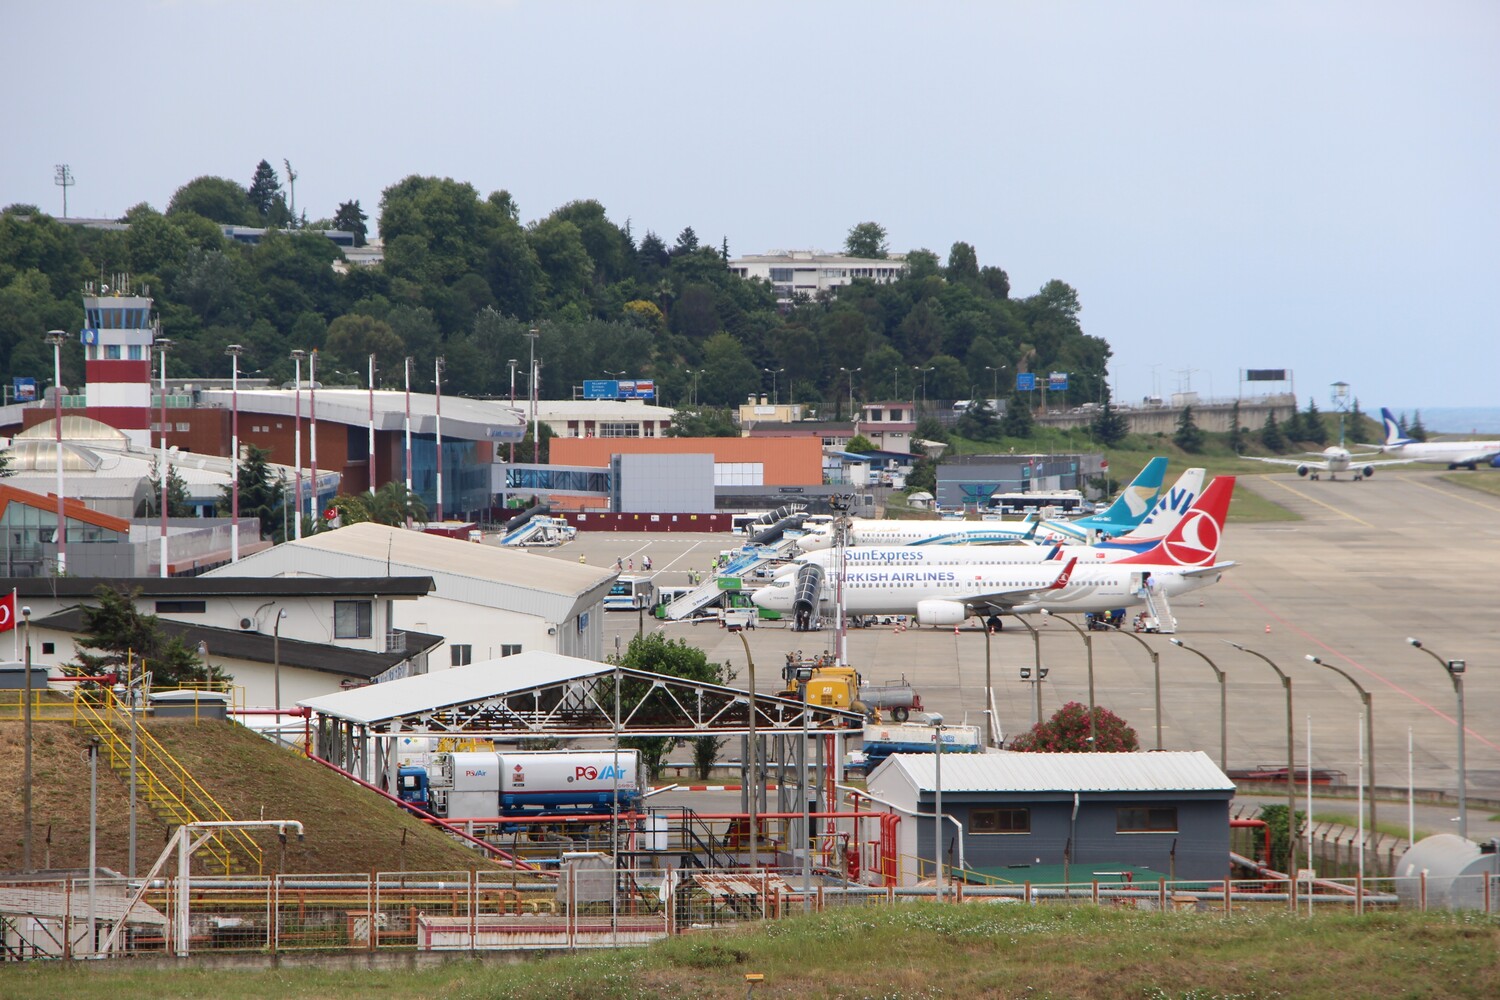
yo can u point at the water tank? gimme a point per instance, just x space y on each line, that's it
1456 870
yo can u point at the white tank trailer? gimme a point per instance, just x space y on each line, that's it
1456 871
473 785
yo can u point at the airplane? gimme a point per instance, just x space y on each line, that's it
1129 509
1469 454
1333 460
1183 561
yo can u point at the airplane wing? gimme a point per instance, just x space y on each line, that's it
1385 461
1217 567
1293 462
1010 598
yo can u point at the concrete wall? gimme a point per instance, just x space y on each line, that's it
677 483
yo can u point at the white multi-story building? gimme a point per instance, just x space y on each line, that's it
793 273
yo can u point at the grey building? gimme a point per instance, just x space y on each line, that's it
1166 811
969 480
646 483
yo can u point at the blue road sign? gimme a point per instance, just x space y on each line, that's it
1025 381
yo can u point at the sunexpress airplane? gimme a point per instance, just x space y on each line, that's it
1130 508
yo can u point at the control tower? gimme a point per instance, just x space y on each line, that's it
118 332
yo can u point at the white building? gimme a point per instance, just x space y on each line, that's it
794 273
487 601
607 418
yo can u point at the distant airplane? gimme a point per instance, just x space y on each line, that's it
1185 560
1469 454
1333 460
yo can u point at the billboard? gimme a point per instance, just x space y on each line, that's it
608 388
1057 382
25 390
1025 381
1265 375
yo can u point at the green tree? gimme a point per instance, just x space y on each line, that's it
1275 817
352 339
867 240
929 429
978 422
1313 428
687 242
708 421
1109 427
394 504
1271 435
1017 422
526 451
261 492
118 633
265 188
1239 436
672 658
860 445
963 263
1292 427
1189 436
351 218
179 504
1417 431
731 375
1356 423
1068 732
216 199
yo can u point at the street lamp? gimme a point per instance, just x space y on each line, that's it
1036 642
937 800
851 372
695 372
995 385
56 338
297 357
1223 703
535 390
1291 764
161 346
752 758
1369 730
1155 672
512 362
773 372
234 351
1088 645
26 753
922 371
1455 670
437 383
276 665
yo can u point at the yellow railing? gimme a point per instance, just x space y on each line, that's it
168 787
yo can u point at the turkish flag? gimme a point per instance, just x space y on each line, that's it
8 612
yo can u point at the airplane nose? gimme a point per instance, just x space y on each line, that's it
758 598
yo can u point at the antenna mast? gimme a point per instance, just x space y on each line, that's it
64 180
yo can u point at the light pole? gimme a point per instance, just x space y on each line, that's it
297 357
437 384
312 431
512 362
804 674
1036 642
1088 645
535 388
1455 670
56 339
752 758
937 800
1291 763
234 351
406 369
851 372
920 370
995 384
989 691
1155 671
26 753
371 446
276 665
161 347
695 373
1223 703
1364 696
773 372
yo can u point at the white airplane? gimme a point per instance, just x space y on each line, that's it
1470 454
1333 460
1134 504
1185 560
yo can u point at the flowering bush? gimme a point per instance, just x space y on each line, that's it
1068 732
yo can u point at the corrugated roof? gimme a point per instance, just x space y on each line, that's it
458 686
221 586
1168 771
463 418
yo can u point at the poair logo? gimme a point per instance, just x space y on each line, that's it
587 772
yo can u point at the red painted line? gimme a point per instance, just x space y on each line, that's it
1360 666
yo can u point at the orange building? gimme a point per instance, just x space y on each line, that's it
785 461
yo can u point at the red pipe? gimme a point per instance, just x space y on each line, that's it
1250 823
299 712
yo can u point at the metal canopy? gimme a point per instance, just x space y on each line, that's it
541 694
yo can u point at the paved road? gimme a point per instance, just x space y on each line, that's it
1401 554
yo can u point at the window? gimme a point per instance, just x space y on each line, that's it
49 648
462 655
181 607
111 352
510 649
781 274
1000 821
135 352
351 619
1146 819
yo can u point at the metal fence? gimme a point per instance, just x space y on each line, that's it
588 904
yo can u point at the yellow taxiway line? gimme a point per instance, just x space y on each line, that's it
1320 503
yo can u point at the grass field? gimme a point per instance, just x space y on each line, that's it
909 951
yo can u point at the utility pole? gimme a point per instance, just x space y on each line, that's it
64 180
291 186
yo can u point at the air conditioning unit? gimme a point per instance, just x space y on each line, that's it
247 624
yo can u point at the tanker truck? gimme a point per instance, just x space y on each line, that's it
480 785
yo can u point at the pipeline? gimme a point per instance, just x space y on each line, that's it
299 711
1251 824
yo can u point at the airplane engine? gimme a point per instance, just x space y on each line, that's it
934 612
1302 470
1368 471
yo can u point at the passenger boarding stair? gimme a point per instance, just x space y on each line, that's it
695 600
1158 614
173 794
540 530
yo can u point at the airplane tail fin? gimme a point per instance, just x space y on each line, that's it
1063 577
1393 435
1195 539
1134 502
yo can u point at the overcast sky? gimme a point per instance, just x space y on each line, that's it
1302 185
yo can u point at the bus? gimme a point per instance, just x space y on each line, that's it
1042 503
630 593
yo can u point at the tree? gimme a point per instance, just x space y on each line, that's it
179 504
1275 817
709 421
687 242
261 492
860 445
265 188
527 450
1238 435
672 658
1189 436
216 199
1292 427
352 339
1068 732
346 510
121 634
867 240
1271 436
1417 432
1017 422
978 422
394 504
1109 427
963 263
1313 428
351 218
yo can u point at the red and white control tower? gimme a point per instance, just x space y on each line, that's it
118 332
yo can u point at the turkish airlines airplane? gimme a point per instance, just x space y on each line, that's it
1185 560
1470 454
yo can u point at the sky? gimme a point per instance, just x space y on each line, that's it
1312 186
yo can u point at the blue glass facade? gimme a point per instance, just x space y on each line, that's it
466 478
